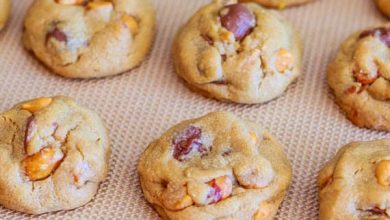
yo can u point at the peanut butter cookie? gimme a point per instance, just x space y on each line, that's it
360 78
383 6
355 184
53 155
215 167
90 38
279 4
237 52
5 7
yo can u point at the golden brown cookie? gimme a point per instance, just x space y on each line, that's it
53 155
360 78
237 52
90 38
215 167
355 184
383 6
5 7
279 4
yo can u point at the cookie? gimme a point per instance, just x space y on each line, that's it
279 4
53 155
383 6
355 184
237 52
88 38
215 167
360 78
5 7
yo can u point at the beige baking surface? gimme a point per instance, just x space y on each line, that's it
138 106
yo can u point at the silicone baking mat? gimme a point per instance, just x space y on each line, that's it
140 105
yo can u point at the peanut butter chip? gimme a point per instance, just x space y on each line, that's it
284 60
4 12
37 104
98 5
264 212
131 23
382 172
254 137
185 202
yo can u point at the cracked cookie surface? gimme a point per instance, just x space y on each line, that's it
237 52
360 78
5 7
355 184
279 4
53 155
383 6
215 167
89 38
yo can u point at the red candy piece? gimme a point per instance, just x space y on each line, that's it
377 211
30 129
364 78
58 35
186 142
383 34
216 194
221 188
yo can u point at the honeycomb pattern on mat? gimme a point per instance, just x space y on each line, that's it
140 105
